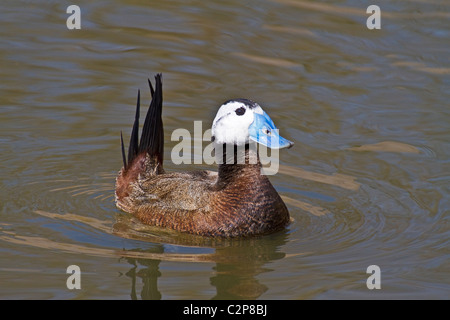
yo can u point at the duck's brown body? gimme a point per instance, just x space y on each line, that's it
236 201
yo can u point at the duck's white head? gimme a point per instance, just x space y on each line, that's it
239 121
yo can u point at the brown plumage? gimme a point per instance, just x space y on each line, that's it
235 201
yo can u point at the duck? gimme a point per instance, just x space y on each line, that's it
237 200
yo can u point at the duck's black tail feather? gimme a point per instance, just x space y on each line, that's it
152 137
133 148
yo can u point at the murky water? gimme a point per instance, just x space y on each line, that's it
367 182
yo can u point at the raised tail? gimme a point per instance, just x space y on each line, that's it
146 155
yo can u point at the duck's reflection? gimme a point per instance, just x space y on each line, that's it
149 275
237 265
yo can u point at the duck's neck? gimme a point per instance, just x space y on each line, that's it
238 163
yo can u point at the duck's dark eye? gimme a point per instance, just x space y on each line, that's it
240 111
266 131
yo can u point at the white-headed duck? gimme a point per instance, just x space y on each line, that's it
238 200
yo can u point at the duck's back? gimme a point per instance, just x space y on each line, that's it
184 191
174 200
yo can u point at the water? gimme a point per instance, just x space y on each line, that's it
367 182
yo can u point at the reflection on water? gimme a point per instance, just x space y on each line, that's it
234 277
237 262
387 146
366 183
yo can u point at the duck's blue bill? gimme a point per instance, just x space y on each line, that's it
263 131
